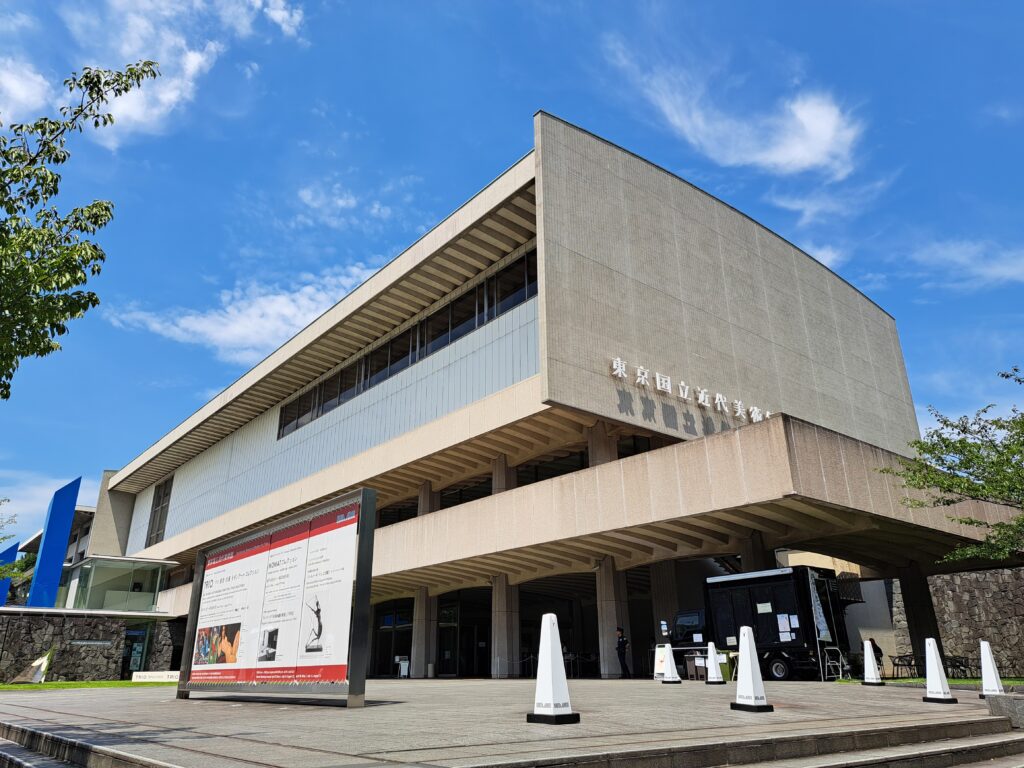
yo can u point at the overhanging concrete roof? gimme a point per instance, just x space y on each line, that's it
793 483
495 222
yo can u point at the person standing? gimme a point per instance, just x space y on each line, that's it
621 646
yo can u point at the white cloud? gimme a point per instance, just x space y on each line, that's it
23 91
252 319
1004 112
828 255
30 493
15 22
808 131
830 201
186 37
327 203
971 264
287 17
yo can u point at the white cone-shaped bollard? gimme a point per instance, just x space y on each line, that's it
991 685
714 670
871 674
671 673
750 695
935 676
551 699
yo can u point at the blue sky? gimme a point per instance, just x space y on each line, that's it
291 147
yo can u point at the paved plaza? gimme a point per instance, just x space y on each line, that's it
459 722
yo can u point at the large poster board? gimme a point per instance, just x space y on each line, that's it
285 609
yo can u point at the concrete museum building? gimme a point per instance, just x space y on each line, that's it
587 389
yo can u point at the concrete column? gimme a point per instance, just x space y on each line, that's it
503 477
755 556
113 520
612 612
664 595
919 609
429 499
424 633
504 627
601 447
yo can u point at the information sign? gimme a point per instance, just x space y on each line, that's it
286 609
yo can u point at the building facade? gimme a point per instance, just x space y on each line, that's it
586 390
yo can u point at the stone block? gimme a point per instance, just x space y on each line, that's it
1008 706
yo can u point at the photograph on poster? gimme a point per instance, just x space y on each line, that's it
217 644
276 608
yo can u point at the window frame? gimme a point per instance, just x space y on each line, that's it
159 507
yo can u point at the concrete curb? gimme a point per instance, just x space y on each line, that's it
740 752
75 752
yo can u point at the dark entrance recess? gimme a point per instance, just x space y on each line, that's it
464 633
133 656
392 636
641 619
573 599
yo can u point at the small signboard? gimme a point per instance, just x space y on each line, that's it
286 609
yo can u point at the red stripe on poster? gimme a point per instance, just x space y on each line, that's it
325 673
290 535
239 552
331 522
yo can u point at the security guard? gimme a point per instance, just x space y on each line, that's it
621 644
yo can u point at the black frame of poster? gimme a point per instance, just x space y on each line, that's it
354 690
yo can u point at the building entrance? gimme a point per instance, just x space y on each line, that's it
392 636
464 633
573 599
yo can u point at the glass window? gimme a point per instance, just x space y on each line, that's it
531 274
435 331
289 413
377 367
158 512
403 351
510 287
329 392
306 403
463 315
349 379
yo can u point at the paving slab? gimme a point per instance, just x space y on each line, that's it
458 723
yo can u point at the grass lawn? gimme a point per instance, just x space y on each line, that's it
81 684
952 681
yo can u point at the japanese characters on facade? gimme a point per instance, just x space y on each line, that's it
642 376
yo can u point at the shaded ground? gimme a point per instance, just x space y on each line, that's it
453 722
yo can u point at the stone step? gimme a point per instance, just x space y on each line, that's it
808 749
1015 761
1007 748
16 756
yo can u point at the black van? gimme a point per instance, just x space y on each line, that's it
796 614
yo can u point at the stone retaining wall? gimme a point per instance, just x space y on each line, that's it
974 606
84 647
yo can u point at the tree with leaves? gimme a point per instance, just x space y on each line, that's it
978 457
8 570
46 256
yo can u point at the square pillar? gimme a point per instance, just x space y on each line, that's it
612 612
664 595
919 609
504 627
601 446
503 477
424 633
755 556
429 500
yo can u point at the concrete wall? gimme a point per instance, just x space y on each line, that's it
252 462
111 524
637 263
